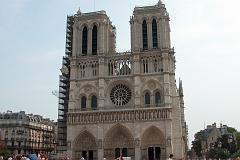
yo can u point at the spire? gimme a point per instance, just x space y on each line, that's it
79 11
159 3
180 89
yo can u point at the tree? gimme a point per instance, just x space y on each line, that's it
231 130
197 147
197 143
216 153
238 140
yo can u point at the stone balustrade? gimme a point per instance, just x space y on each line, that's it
128 115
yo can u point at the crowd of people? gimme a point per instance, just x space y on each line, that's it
32 156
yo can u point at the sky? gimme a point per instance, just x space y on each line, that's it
205 35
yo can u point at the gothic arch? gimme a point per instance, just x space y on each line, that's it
155 93
118 136
94 24
85 141
152 136
154 17
151 85
82 26
87 90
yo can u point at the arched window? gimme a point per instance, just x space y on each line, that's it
154 34
84 41
144 35
94 40
157 98
147 98
83 102
94 102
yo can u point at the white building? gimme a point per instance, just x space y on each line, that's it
24 133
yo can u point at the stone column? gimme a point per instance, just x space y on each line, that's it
159 31
140 36
89 49
80 42
149 34
75 41
150 45
101 82
136 71
166 78
100 154
101 38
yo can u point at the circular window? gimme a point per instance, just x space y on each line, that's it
120 94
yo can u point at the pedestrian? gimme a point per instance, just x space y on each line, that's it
170 157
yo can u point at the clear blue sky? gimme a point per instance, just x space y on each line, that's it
205 35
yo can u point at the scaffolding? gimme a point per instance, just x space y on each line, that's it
64 85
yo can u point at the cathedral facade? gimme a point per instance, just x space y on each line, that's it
123 103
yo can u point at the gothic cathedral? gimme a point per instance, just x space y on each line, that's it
121 103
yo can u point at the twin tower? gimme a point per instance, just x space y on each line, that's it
114 104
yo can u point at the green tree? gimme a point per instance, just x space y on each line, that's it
197 147
231 130
5 153
238 140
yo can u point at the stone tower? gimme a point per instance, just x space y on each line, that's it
124 103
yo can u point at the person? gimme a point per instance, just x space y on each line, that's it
10 158
1 157
170 157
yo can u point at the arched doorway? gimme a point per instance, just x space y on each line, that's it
85 146
118 141
153 144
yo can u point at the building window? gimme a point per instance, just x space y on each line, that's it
145 66
144 35
83 102
94 102
84 41
147 98
94 40
157 98
154 34
120 94
94 70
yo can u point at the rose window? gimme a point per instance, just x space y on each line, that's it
120 94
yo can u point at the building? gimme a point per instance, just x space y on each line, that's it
211 136
128 103
24 133
2 143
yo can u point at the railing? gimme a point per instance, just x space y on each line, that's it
143 114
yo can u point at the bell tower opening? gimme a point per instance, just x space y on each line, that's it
84 41
94 40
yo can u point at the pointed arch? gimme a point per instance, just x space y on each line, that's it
158 100
83 102
94 102
152 136
94 40
119 136
144 35
147 98
84 41
85 141
154 34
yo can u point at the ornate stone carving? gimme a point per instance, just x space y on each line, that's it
88 89
151 85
